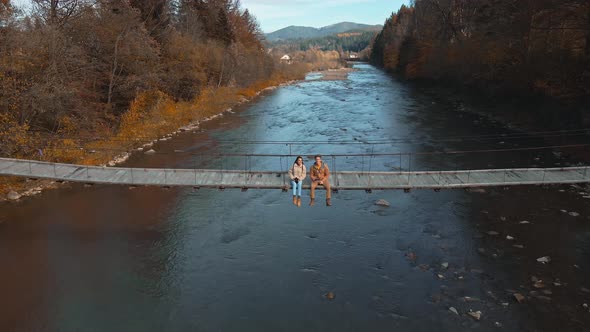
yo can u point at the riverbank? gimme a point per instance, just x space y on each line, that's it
339 74
152 117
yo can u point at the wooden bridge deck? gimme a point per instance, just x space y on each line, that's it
205 178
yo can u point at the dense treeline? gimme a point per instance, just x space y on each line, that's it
101 67
352 41
514 46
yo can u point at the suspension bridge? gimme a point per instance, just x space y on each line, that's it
251 179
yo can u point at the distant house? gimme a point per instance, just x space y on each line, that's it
353 56
286 59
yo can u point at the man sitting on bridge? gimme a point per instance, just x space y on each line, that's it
319 177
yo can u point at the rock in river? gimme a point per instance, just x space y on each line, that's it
13 196
382 202
475 314
519 297
150 151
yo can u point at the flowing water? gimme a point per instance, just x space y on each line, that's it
113 258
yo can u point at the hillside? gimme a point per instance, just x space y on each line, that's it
350 41
300 32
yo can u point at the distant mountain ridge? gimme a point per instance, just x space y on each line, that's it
300 32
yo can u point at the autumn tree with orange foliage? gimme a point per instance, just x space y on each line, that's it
73 69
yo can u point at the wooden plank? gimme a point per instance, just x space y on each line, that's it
204 178
15 168
7 166
200 179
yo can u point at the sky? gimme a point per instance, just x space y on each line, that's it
277 14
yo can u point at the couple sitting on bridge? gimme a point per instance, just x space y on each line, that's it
319 175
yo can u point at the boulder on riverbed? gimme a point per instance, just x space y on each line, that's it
150 151
382 203
13 196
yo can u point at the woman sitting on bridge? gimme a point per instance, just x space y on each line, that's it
297 174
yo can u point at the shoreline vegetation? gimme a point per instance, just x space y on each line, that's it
90 82
541 68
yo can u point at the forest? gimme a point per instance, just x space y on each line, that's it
502 47
351 41
102 75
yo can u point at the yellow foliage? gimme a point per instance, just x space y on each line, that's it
15 139
64 150
67 126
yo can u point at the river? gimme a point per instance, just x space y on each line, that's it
113 258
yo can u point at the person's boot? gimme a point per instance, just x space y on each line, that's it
312 202
294 200
299 201
328 202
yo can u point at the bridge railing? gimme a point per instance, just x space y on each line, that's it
368 162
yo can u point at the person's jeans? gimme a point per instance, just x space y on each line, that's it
296 187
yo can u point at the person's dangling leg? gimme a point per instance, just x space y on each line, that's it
294 186
328 193
312 193
299 187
